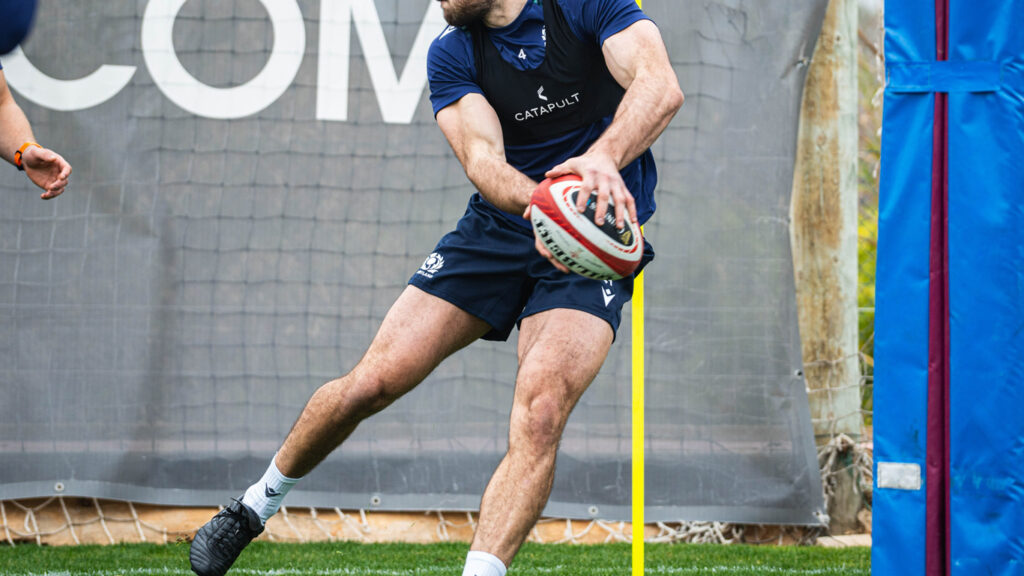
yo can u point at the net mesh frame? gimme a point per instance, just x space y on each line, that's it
255 258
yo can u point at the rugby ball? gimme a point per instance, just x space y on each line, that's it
600 252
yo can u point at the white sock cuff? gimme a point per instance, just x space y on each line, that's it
487 558
265 496
273 471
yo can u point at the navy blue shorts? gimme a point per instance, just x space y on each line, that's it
490 268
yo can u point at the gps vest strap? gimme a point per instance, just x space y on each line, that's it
572 88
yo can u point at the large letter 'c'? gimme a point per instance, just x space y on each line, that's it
66 95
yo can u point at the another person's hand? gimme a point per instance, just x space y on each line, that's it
46 169
599 173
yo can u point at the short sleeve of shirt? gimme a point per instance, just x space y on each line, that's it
599 19
451 70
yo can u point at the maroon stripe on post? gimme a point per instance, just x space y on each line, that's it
941 29
945 321
937 520
937 468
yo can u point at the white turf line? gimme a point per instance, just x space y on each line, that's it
680 571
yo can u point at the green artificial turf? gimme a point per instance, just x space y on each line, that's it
354 559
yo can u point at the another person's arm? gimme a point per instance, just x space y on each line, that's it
44 167
638 60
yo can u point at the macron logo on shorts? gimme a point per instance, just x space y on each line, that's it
431 265
608 291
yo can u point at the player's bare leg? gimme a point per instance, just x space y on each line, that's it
418 333
560 353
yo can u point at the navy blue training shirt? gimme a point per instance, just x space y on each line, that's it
452 72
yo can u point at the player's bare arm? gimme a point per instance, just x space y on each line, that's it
639 62
45 168
474 132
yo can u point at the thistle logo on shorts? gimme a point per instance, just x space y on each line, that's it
431 265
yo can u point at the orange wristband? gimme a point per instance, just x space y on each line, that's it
18 154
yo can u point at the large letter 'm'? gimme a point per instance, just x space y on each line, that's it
397 98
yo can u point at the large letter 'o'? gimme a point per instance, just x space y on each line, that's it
203 100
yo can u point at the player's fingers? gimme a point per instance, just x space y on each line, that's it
541 248
631 208
604 192
559 170
550 257
51 194
65 170
587 186
618 202
558 265
583 197
621 198
526 213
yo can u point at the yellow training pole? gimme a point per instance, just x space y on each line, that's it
638 419
638 425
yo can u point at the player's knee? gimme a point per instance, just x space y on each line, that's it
328 400
541 423
372 393
351 397
376 398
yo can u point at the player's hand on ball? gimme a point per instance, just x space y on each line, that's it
540 246
599 172
571 240
46 169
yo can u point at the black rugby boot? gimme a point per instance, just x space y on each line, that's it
219 542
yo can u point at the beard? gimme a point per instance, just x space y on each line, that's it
461 13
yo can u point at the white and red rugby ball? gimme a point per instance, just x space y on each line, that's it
600 252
